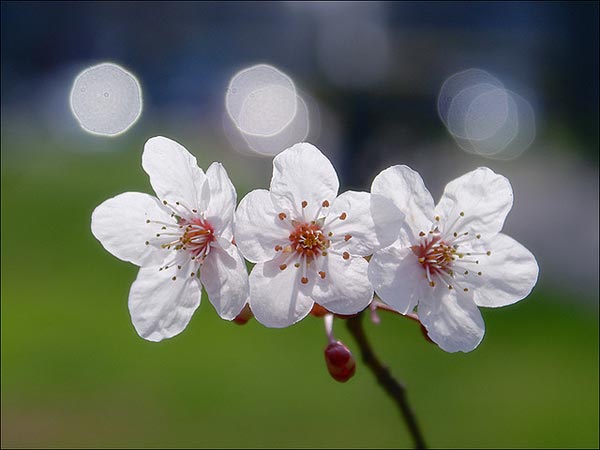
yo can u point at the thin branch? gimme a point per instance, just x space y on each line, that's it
393 387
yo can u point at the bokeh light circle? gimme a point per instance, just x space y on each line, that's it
477 112
485 118
456 83
106 99
261 100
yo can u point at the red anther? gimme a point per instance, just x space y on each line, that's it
244 316
340 362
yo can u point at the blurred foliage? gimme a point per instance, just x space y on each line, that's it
75 374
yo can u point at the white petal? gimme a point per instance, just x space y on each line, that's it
452 321
225 278
277 298
508 274
160 307
258 228
358 234
483 196
303 173
346 288
174 173
405 188
222 200
120 225
397 277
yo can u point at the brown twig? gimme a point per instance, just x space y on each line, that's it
393 387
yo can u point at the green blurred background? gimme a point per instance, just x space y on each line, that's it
75 373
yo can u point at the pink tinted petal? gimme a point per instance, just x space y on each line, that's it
120 225
161 307
357 233
398 279
508 274
225 278
303 174
452 321
258 227
405 188
174 173
346 288
484 198
277 298
222 199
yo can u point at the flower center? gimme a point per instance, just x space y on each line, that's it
308 240
436 256
190 236
439 255
196 238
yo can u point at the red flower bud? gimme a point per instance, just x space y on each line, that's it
318 311
244 316
340 362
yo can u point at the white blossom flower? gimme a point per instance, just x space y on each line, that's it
450 258
181 240
308 243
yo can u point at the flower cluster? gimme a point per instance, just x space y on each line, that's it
313 248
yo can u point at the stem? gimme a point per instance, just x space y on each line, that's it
393 387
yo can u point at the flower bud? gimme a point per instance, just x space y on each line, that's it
340 362
318 311
244 316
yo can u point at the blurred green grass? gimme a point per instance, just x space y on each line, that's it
75 374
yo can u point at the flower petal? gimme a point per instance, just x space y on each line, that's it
302 173
225 278
120 225
174 173
397 277
277 298
508 274
357 233
481 199
405 188
160 307
222 201
346 288
258 228
452 321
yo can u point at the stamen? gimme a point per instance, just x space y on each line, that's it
347 237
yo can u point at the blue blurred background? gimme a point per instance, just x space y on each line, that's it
74 373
